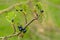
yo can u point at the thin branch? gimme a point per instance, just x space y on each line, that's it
9 36
14 27
25 18
35 13
11 7
31 21
1 37
5 38
16 34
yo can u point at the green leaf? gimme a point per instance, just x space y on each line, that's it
10 16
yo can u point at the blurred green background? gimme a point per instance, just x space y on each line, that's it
51 9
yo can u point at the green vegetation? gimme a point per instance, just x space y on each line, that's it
32 33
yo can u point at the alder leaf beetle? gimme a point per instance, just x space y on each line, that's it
20 28
24 30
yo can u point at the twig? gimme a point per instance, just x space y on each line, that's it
9 36
31 21
11 7
5 38
25 18
14 27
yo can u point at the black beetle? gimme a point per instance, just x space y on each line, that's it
24 30
20 28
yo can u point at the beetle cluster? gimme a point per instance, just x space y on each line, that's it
22 29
